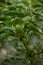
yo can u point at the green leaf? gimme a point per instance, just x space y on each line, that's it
14 13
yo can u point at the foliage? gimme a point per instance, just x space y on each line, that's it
21 32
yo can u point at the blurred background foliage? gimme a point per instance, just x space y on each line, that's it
21 32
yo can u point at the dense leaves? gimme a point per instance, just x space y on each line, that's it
21 32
